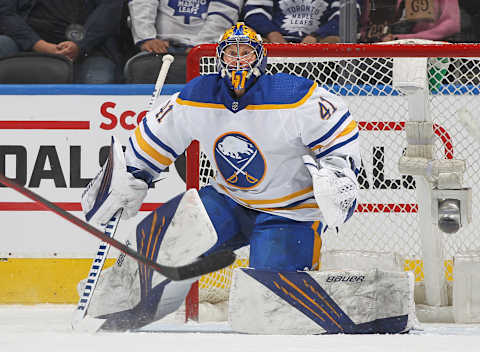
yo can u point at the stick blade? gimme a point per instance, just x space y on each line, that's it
202 266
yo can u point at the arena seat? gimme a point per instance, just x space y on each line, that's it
35 68
144 68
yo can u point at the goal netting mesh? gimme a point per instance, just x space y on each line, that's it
386 217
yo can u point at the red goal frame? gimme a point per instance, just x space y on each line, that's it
329 50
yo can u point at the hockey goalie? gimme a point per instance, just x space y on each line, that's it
286 153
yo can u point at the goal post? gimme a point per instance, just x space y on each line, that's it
395 211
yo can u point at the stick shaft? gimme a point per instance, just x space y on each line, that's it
95 270
162 75
80 223
103 249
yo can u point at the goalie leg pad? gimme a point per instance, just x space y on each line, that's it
130 295
178 232
126 300
118 287
163 299
349 302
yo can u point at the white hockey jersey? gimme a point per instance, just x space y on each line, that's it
256 142
182 22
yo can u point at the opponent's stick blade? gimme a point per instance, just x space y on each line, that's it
202 266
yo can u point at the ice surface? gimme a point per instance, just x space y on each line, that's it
47 328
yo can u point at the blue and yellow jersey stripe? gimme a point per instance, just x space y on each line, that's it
305 205
331 133
340 143
157 140
286 105
267 93
268 106
199 104
344 132
279 202
148 148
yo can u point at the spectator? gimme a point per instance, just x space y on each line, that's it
126 45
470 22
174 26
282 21
85 31
397 19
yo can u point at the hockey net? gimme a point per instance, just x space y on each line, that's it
386 218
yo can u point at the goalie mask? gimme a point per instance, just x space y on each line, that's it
241 57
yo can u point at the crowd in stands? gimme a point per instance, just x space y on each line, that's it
103 39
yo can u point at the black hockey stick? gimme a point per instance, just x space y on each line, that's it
201 266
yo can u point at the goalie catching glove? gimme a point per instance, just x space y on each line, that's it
113 188
335 187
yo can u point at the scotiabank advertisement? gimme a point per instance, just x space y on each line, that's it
53 140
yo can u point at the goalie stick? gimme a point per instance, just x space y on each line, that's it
201 266
111 227
95 270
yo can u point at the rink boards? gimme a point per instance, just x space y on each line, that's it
53 139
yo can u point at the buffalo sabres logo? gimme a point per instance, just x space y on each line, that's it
239 160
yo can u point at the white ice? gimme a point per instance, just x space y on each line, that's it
46 328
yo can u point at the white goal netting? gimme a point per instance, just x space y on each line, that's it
386 217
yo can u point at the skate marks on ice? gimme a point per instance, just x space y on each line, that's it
224 328
56 318
191 327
